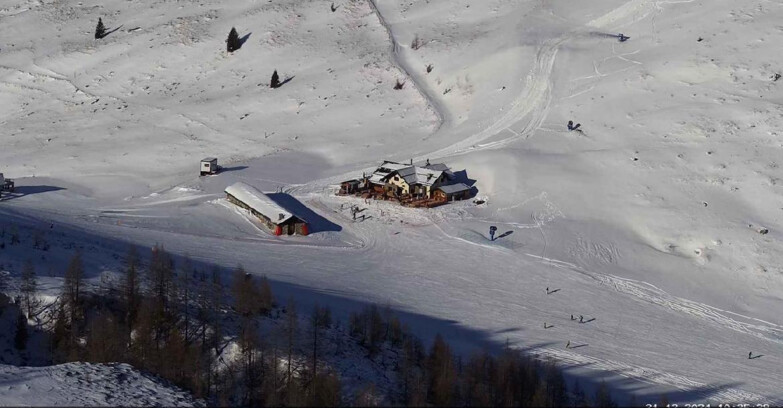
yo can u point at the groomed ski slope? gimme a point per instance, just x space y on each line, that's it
647 221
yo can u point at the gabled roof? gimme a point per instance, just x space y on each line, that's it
259 202
416 175
384 169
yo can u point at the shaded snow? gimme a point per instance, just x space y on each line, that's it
84 384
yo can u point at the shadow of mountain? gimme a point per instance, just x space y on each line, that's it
99 249
21 191
316 222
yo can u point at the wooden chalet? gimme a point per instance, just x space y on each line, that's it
416 186
273 216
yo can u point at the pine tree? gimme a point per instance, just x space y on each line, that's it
291 328
442 373
275 83
233 43
21 336
131 287
100 30
602 396
29 288
72 285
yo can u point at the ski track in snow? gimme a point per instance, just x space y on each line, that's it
652 294
715 393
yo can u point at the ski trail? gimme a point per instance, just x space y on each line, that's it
532 102
650 293
648 375
433 102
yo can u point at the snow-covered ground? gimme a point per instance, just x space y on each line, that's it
84 384
647 221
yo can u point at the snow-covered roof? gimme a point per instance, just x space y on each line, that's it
383 170
418 175
259 202
454 188
208 159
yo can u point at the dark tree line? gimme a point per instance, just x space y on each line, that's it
176 321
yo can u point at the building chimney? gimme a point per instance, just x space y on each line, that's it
281 216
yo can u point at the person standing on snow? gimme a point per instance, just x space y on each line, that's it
581 319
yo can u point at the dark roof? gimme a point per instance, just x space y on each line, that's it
454 188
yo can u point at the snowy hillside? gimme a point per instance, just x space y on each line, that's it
661 220
84 384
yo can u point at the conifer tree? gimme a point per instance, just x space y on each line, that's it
233 43
29 287
275 83
20 338
72 285
131 287
100 30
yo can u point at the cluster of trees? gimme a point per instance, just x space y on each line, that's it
439 377
177 322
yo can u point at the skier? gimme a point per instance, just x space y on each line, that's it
568 345
570 125
581 319
547 290
622 37
492 230
572 317
750 353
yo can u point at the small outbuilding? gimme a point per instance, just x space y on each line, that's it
209 165
451 192
274 217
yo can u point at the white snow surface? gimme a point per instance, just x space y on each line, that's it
648 220
84 384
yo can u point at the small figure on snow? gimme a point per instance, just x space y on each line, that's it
572 317
572 126
568 345
492 230
547 290
750 355
581 319
622 37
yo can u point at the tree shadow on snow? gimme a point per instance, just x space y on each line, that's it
106 34
316 223
285 81
244 39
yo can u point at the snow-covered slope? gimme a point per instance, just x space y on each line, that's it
647 221
84 384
